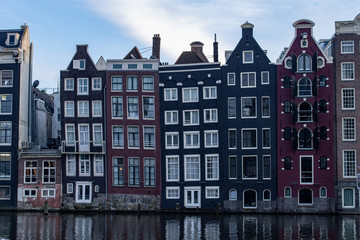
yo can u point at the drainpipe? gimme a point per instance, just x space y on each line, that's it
106 154
30 98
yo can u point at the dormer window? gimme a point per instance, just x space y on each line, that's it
304 63
11 39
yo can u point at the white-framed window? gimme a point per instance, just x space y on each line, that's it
190 94
265 107
211 138
5 166
231 79
82 64
248 107
349 163
70 188
116 83
30 171
347 47
97 134
348 197
347 71
83 192
170 94
209 93
232 195
266 138
84 165
118 171
231 107
84 137
192 197
82 86
97 108
323 192
6 104
148 84
248 79
232 138
12 39
69 109
48 193
265 79
249 138
232 167
96 83
172 192
98 165
287 192
149 137
210 115
131 83
171 117
117 107
7 78
134 171
306 170
304 63
49 171
70 165
149 172
192 139
266 167
248 56
304 87
348 98
133 107
191 117
348 129
148 108
117 136
5 193
69 84
192 167
212 167
212 192
5 133
266 195
172 168
29 192
250 167
83 108
133 137
172 140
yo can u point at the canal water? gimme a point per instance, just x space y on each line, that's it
167 226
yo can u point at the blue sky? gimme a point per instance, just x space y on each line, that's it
112 28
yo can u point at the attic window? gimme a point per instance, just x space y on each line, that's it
11 39
117 66
248 57
79 64
132 66
82 64
147 66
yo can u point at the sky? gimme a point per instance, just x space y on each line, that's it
112 28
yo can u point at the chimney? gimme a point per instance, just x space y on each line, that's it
247 29
216 50
156 46
197 47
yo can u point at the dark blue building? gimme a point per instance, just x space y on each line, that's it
189 106
248 127
15 105
82 87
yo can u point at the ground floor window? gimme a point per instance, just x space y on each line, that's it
267 195
249 199
192 197
348 198
172 192
4 193
233 194
305 197
83 192
29 193
48 193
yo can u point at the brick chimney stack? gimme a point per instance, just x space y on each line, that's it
156 46
216 50
197 47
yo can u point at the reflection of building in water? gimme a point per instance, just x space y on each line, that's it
38 226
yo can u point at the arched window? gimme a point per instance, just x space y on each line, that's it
323 133
322 81
305 196
287 163
287 106
232 194
304 87
249 199
305 112
304 63
305 139
322 106
323 192
287 133
323 162
267 195
287 192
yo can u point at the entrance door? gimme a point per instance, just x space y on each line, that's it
192 197
83 192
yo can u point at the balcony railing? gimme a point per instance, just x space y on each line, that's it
83 147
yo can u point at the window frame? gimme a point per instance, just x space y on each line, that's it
347 99
208 89
49 168
117 104
172 145
151 84
256 166
211 111
350 44
192 134
349 163
149 172
82 86
6 102
244 57
343 197
171 112
83 111
301 171
117 146
135 174
67 109
175 189
119 85
133 104
84 165
263 74
216 188
346 129
229 78
132 83
150 145
209 174
254 106
230 164
120 165
348 71
263 167
5 159
99 108
136 144
248 83
151 108
229 139
193 113
186 177
212 133
33 179
243 141
68 86
173 94
93 84
191 99
177 168
233 112
71 159
3 82
43 195
263 107
96 132
8 133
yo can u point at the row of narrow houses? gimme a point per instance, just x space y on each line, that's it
136 134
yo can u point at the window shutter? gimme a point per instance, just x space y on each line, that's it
294 87
314 62
294 112
315 111
294 63
315 86
315 139
294 138
76 64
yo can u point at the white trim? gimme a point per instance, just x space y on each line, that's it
185 165
65 85
342 198
262 139
348 41
209 88
96 143
153 145
255 105
171 122
228 77
262 107
112 137
252 57
217 188
248 80
93 108
287 187
70 188
30 195
192 190
242 138
66 109
172 188
143 107
85 109
192 134
212 133
192 119
48 190
342 98
312 169
231 117
84 184
242 167
67 164
343 158
206 167
190 98
266 200
92 84
348 129
172 134
84 86
211 111
173 94
325 192
232 199
167 168
102 164
262 77
122 106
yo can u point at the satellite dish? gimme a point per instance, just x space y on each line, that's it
36 83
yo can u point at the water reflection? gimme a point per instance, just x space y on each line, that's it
172 226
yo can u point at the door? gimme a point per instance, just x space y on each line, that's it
84 138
